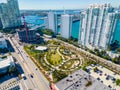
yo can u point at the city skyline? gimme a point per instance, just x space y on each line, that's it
60 4
59 45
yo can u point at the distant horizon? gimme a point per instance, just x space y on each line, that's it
51 9
67 8
60 4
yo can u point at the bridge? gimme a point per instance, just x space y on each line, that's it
36 27
43 25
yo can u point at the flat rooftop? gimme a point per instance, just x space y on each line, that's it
79 81
41 48
4 62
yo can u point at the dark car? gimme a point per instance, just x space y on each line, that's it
109 86
113 79
98 78
107 78
31 76
24 78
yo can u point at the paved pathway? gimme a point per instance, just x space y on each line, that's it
57 67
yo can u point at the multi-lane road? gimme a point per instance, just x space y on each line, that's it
35 79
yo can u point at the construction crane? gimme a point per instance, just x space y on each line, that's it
25 25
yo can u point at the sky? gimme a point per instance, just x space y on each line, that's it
60 4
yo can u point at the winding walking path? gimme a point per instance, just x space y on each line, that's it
64 61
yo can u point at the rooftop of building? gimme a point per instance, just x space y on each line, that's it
41 48
6 61
1 35
2 39
81 80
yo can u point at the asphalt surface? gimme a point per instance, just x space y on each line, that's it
35 79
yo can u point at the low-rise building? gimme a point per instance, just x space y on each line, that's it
5 63
3 43
81 80
41 48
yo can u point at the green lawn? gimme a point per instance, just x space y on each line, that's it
54 58
67 65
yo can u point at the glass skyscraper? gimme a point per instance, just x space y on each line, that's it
9 14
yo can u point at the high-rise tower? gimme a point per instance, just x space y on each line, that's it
66 25
98 24
52 22
9 14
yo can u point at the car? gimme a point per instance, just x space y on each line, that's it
105 74
101 81
98 78
97 71
100 74
107 78
113 79
31 76
101 66
109 86
23 76
100 71
92 65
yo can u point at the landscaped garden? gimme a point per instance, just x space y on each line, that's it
53 57
56 61
71 64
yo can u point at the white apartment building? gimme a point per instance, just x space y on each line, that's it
98 24
5 63
46 22
66 26
52 22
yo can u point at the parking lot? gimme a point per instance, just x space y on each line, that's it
104 75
